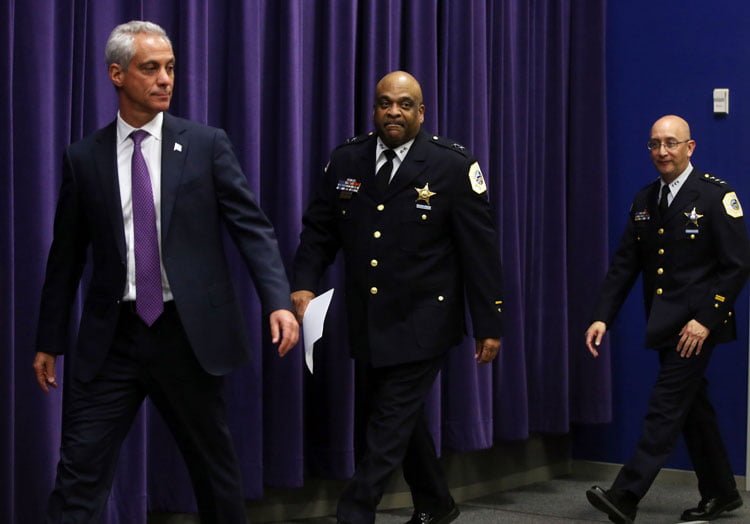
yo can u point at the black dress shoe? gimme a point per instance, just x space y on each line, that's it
424 517
620 506
709 509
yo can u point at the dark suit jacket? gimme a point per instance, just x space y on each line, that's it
202 187
689 271
409 262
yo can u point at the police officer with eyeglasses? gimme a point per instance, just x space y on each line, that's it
687 237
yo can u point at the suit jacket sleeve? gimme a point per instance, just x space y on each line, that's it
477 242
319 240
65 264
622 274
249 227
733 255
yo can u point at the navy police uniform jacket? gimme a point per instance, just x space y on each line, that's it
412 255
694 260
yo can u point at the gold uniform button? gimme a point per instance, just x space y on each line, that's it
716 305
660 271
376 234
441 298
373 290
343 211
660 231
374 263
692 237
424 217
661 251
659 291
380 207
730 313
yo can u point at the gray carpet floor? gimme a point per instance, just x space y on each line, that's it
563 500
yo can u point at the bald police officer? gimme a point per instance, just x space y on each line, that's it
687 236
411 214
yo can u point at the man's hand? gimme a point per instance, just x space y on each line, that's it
487 349
692 336
284 330
594 335
44 369
301 299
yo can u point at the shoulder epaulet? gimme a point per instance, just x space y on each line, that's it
450 144
709 178
356 139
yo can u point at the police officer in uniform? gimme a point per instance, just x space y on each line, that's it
411 214
687 236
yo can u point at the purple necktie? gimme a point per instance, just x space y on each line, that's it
148 296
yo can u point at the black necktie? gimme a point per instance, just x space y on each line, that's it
383 176
663 201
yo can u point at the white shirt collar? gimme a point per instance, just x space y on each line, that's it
676 184
401 151
153 127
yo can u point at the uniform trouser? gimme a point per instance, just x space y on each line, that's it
396 434
679 404
97 415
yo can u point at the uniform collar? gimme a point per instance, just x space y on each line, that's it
678 182
401 151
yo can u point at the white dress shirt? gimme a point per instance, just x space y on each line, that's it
676 184
151 149
401 152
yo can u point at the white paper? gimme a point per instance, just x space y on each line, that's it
312 323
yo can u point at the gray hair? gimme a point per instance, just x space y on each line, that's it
120 48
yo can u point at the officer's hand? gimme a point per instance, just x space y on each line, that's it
284 330
300 300
692 336
594 335
44 369
487 349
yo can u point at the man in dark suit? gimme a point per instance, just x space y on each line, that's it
410 212
147 195
687 236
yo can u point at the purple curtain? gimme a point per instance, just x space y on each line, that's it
520 83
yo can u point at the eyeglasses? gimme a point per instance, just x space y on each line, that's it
669 144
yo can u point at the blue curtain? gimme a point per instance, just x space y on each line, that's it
518 82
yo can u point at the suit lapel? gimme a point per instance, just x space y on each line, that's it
105 157
174 149
652 202
364 169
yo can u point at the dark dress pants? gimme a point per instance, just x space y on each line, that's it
679 403
97 415
396 434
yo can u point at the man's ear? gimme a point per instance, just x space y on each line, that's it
116 74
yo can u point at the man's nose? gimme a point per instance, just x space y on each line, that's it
164 76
